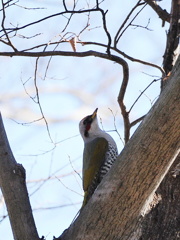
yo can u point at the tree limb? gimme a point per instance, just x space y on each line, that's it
123 54
162 13
13 186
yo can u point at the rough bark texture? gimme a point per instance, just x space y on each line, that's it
13 186
172 43
163 221
119 204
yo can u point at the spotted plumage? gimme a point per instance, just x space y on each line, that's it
100 152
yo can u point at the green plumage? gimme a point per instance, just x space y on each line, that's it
93 159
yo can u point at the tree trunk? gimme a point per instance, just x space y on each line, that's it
121 202
172 44
12 183
163 221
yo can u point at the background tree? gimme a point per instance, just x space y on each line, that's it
146 158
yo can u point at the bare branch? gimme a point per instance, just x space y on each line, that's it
69 19
162 13
10 30
64 4
22 36
137 121
38 100
140 26
120 35
106 30
125 21
68 187
37 8
52 177
97 3
64 53
3 27
121 95
48 64
126 56
55 207
155 80
3 217
114 117
27 123
7 4
87 25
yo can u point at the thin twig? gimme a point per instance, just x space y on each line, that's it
49 178
69 19
120 35
155 80
48 17
125 21
68 187
87 25
136 121
55 207
27 123
76 174
74 168
6 4
3 28
37 8
38 99
140 26
48 64
3 218
114 117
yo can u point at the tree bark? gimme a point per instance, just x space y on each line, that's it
172 44
118 206
12 183
163 221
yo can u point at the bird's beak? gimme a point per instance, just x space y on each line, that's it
94 113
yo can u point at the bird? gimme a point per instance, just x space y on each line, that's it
100 152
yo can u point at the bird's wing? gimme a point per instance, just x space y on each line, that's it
93 158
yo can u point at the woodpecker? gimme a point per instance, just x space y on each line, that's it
100 152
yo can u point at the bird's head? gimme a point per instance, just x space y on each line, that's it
88 126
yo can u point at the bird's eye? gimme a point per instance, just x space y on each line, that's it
87 120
